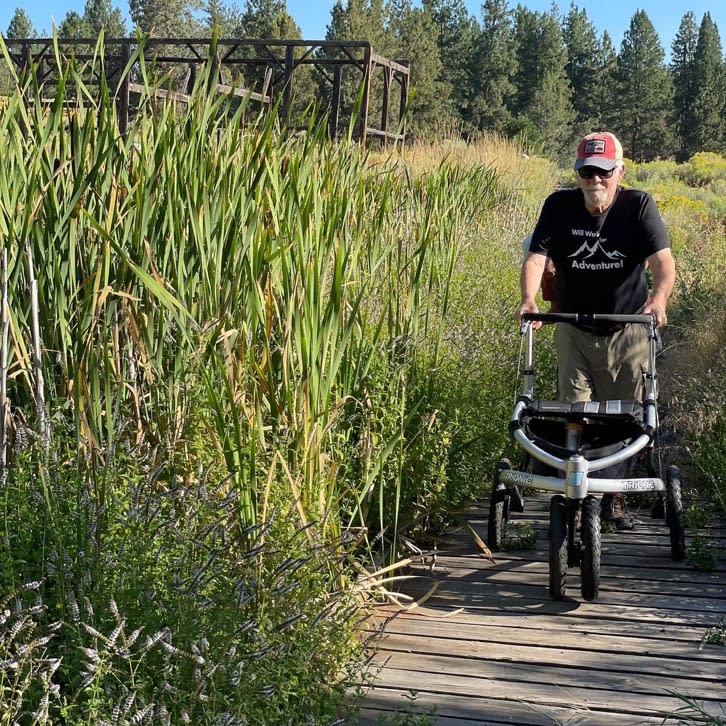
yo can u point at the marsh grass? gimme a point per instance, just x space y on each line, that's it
248 361
266 358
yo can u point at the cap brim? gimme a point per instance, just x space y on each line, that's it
597 161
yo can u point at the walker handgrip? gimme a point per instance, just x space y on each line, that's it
588 318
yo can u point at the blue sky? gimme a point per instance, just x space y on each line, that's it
313 15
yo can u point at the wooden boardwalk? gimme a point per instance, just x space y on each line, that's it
491 647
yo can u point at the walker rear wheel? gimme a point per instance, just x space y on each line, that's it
558 546
674 513
590 556
498 510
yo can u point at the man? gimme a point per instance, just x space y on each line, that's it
601 238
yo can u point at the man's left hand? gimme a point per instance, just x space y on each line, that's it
657 311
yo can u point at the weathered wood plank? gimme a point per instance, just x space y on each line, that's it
436 634
490 646
615 659
455 710
462 620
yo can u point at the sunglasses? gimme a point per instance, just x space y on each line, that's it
588 172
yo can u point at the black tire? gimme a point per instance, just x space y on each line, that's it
590 556
498 510
674 513
558 546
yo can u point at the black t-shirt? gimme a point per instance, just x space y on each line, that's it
600 260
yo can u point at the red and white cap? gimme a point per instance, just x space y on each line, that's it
600 149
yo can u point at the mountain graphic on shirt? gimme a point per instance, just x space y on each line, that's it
589 250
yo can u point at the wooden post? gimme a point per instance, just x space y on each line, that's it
335 103
405 80
287 83
123 91
363 116
387 71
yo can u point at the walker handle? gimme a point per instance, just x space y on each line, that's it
588 318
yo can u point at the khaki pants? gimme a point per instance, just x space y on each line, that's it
600 367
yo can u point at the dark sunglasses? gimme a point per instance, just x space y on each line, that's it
588 172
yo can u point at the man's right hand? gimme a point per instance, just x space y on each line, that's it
529 306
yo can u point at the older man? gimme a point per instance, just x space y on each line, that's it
601 238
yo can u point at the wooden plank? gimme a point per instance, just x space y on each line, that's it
614 659
491 647
450 621
456 710
554 687
578 637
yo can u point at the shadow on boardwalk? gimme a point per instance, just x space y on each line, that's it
491 647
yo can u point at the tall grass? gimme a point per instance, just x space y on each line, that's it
264 359
246 350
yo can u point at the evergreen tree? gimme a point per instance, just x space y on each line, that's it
163 18
685 83
606 107
707 129
584 71
645 93
526 40
359 20
221 19
494 62
73 26
543 99
552 114
456 33
102 15
269 19
413 37
20 26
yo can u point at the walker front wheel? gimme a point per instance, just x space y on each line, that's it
498 510
674 513
590 556
558 546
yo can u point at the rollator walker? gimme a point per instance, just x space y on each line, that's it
579 451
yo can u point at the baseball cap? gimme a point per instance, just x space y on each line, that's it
600 149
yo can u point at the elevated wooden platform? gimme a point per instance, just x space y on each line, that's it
490 647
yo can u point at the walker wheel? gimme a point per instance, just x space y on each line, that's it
558 546
590 555
498 510
674 513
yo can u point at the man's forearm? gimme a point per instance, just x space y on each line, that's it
531 277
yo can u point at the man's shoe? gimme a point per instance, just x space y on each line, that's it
612 524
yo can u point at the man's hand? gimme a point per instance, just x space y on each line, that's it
529 306
657 311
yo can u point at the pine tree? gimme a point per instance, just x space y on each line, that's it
360 20
163 18
413 38
102 15
73 26
683 71
645 93
269 19
584 71
543 100
606 107
20 26
706 131
456 33
220 19
494 62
